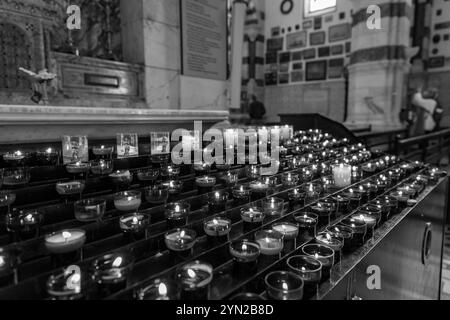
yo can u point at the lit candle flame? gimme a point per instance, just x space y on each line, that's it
2 261
66 235
244 247
177 208
162 289
285 286
182 233
191 273
117 262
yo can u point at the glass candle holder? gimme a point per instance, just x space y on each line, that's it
195 278
272 181
374 211
342 175
16 177
241 195
252 217
368 169
177 214
67 189
322 253
313 190
175 187
121 178
111 273
307 224
245 257
134 226
157 194
180 241
89 210
328 239
23 225
344 233
342 204
310 270
402 199
296 199
259 190
103 152
170 172
407 190
270 243
7 198
65 246
290 233
78 167
355 198
71 283
9 261
127 201
370 221
359 228
217 229
390 202
217 201
102 167
230 179
15 157
282 285
289 180
324 211
202 169
273 207
205 184
159 289
147 176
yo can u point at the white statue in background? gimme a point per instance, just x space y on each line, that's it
39 82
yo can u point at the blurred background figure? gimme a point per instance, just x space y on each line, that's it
426 108
256 110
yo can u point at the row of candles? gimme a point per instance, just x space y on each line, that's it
192 281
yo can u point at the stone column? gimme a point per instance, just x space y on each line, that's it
379 64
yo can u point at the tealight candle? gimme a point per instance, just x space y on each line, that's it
324 211
241 195
359 228
307 223
217 201
205 184
296 199
289 180
111 273
252 217
65 241
290 233
355 198
9 261
177 214
159 290
78 167
14 156
273 206
270 243
127 201
121 178
23 225
89 210
342 175
157 194
65 246
259 189
148 176
343 204
312 190
134 226
180 241
70 188
322 253
7 198
306 174
282 285
245 256
17 176
103 151
175 187
217 229
310 270
68 284
194 279
102 167
335 243
407 190
391 202
374 211
170 171
252 172
202 169
402 199
370 221
345 233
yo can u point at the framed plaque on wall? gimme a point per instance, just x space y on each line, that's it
296 40
316 70
317 38
340 32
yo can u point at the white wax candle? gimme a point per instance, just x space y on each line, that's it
342 175
270 246
65 241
